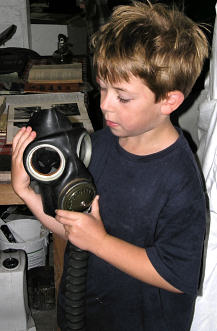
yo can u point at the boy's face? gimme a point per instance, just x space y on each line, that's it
129 107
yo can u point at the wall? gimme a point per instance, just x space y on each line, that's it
45 37
16 12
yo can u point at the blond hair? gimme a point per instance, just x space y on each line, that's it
159 44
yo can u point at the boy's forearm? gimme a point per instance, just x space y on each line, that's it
132 260
34 203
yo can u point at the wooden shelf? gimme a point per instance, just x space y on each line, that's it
8 196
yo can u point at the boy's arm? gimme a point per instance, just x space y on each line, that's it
21 182
87 232
132 260
34 203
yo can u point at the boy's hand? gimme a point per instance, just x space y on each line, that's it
19 178
85 231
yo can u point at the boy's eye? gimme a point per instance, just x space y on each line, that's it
123 100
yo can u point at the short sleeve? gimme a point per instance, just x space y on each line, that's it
177 251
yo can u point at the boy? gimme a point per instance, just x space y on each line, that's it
146 228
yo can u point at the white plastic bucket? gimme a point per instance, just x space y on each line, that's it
31 237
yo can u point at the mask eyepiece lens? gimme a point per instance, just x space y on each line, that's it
46 161
84 148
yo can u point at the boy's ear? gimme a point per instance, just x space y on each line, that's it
172 101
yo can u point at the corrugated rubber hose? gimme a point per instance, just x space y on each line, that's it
75 291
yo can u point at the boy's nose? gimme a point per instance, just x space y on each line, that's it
106 104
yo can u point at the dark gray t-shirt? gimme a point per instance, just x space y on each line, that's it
156 202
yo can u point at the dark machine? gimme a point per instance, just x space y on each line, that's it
14 59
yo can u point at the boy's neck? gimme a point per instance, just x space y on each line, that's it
150 142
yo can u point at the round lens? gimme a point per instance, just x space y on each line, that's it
84 149
45 162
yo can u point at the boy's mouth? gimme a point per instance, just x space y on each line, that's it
111 124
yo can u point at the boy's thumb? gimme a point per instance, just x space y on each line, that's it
95 206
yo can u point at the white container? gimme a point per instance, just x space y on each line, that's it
31 237
15 314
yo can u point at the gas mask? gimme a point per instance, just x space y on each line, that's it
57 160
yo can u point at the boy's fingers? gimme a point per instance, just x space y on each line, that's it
22 139
17 138
64 213
64 221
64 216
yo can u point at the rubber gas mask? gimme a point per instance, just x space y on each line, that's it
57 160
